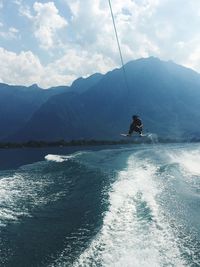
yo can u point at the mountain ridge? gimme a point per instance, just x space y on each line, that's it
165 94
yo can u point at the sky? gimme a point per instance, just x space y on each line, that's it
53 43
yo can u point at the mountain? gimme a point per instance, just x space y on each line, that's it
18 104
83 84
164 94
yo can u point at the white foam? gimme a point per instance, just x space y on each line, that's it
188 160
21 192
61 158
134 232
10 192
152 136
57 158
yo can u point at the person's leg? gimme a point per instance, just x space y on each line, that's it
130 130
138 130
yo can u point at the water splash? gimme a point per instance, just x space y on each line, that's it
134 232
153 137
188 160
62 158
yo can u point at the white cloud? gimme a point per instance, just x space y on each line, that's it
84 42
23 68
11 33
194 59
91 27
25 11
17 2
47 22
1 4
77 61
188 53
145 28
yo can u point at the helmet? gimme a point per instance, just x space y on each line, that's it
135 116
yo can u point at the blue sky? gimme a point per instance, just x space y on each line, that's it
54 42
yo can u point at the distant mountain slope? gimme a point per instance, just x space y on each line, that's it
166 95
18 103
83 84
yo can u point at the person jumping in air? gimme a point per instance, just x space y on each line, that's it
136 126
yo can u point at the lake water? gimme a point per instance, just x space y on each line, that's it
134 206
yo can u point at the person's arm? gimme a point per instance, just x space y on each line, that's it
140 126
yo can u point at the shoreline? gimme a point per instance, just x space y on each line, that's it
92 142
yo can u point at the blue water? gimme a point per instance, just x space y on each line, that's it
134 206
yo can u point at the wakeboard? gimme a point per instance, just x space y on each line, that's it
127 135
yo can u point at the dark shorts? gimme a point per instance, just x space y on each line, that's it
138 130
135 129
